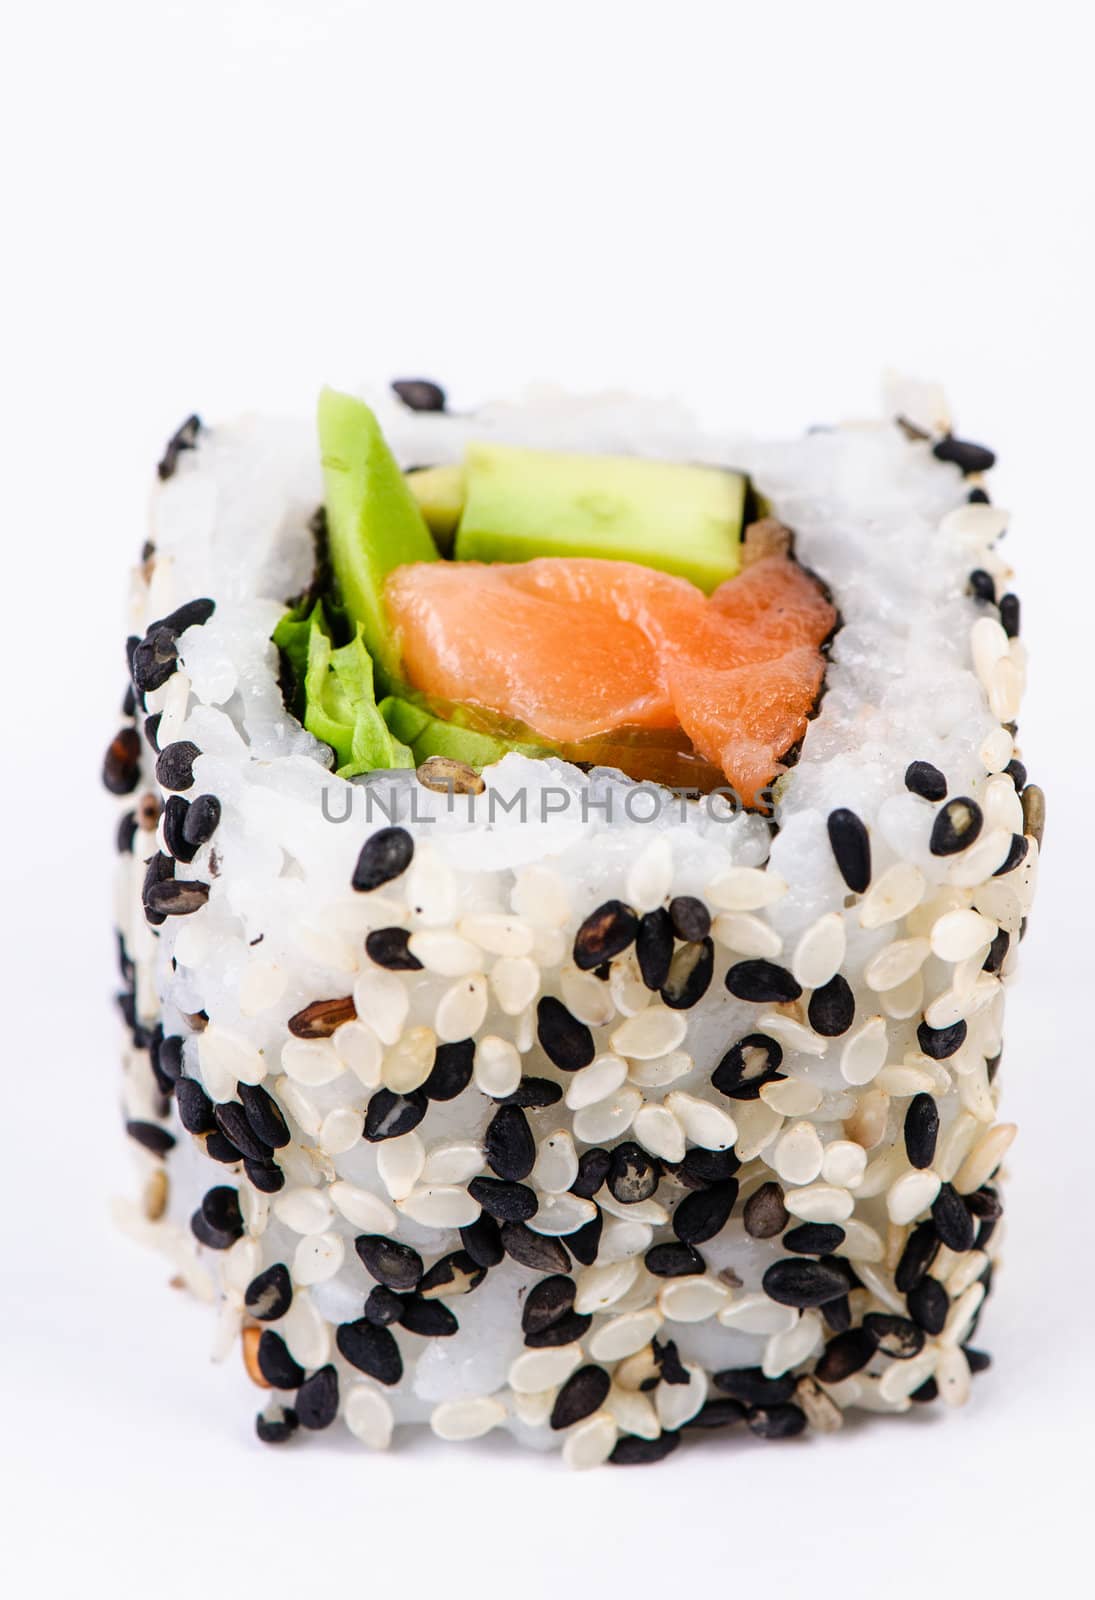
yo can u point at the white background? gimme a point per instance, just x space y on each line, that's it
220 205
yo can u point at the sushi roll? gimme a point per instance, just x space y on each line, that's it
569 869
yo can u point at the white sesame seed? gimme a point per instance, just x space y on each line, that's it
956 1144
793 1035
339 1131
650 876
358 1048
299 1106
1001 804
624 1335
461 1009
399 1163
556 1163
796 1154
383 1001
604 1075
1005 689
549 947
587 998
306 1333
757 1124
633 1411
622 1240
985 1157
895 963
819 951
515 981
662 1070
561 1214
745 889
325 947
861 1242
361 1208
881 1173
303 1210
651 1210
609 1118
677 1403
864 1053
960 934
898 891
440 1205
541 897
261 986
409 1062
536 1370
444 952
901 1378
988 647
497 1067
981 524
906 1000
791 1097
368 1416
881 1287
227 1058
965 1272
746 935
652 1032
590 1442
657 1130
973 867
755 1313
952 1374
844 1163
820 1202
317 1257
496 932
709 1126
467 1419
997 749
431 889
904 1081
692 1299
868 1122
960 1317
786 1350
311 1062
240 1263
453 1161
911 1194
601 1285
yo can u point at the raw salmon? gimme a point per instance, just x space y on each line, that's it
608 653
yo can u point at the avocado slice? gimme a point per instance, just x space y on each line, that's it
439 492
428 735
672 516
373 520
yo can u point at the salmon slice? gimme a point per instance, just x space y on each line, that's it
579 649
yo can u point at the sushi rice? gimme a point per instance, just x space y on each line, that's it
763 1207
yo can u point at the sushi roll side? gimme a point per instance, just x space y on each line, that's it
501 1099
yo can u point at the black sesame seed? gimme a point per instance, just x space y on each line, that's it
670 1365
1009 615
535 1250
921 1130
430 1319
831 1010
388 948
748 1065
654 947
221 1209
546 1302
509 1146
691 918
194 614
384 856
564 1040
978 497
594 1166
570 1327
270 1295
956 826
701 1167
483 1242
383 1306
185 437
201 820
175 765
925 780
264 1115
1017 853
451 1071
632 1451
586 1241
765 1214
894 1336
690 974
505 1202
454 1274
814 1238
175 897
122 762
674 1261
952 1219
234 1123
155 658
265 1175
605 934
419 394
851 847
928 1391
389 1115
967 457
371 1350
633 1175
276 1430
802 1283
998 951
718 1414
703 1214
390 1262
762 981
317 1399
978 1360
218 1147
533 1094
174 818
1017 772
939 1043
921 1249
195 1106
151 1136
846 1353
985 1202
126 833
750 1387
583 1393
152 729
928 1305
982 585
776 1422
211 1237
837 1313
276 1364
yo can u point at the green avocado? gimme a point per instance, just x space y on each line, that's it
439 492
373 520
428 735
677 518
